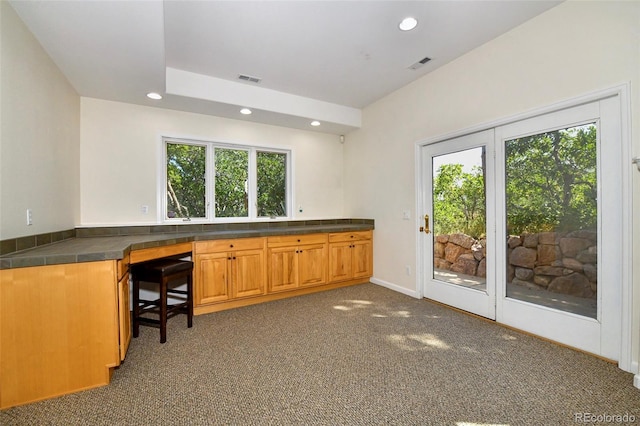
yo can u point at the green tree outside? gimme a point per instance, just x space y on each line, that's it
272 184
232 174
186 180
551 185
551 181
459 201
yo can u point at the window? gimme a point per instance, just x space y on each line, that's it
186 181
231 189
272 184
239 182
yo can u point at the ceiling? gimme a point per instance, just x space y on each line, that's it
317 60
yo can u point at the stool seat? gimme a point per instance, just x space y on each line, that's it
155 269
162 272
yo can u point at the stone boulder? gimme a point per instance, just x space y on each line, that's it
583 233
438 250
590 271
588 256
441 264
524 257
555 271
514 241
542 280
530 240
442 238
524 274
453 251
461 240
572 246
478 252
572 264
526 284
574 285
548 253
465 264
547 238
482 268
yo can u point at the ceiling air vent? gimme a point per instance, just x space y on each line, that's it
249 79
420 63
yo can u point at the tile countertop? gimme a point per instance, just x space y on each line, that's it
89 249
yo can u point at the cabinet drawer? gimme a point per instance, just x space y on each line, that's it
349 236
216 246
294 240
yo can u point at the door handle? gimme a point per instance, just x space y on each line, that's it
426 225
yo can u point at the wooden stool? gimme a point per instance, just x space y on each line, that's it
162 272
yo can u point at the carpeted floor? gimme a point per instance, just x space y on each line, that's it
360 355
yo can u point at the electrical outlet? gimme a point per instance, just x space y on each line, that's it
406 215
144 209
407 269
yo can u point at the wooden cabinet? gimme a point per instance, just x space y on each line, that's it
350 256
296 261
60 329
238 272
228 269
124 315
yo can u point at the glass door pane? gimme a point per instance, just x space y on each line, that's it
459 218
551 219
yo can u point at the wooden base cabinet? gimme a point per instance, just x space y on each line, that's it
296 261
350 255
63 328
229 269
245 271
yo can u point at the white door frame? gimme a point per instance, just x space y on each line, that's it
622 91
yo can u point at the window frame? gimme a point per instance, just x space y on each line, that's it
252 184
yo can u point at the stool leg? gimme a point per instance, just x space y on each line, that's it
163 310
136 307
189 301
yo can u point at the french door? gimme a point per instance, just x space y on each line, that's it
523 224
460 266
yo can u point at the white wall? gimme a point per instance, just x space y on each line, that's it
120 149
39 136
572 49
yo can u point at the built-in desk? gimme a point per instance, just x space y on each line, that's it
64 307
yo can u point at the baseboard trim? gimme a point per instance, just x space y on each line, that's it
395 287
636 380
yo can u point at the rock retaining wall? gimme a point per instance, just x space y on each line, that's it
559 262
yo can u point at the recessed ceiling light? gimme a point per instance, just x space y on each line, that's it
245 111
408 24
154 95
315 123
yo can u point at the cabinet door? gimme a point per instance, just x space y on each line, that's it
211 278
312 264
362 265
340 258
124 316
248 273
282 268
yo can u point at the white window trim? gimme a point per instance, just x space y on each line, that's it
210 181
